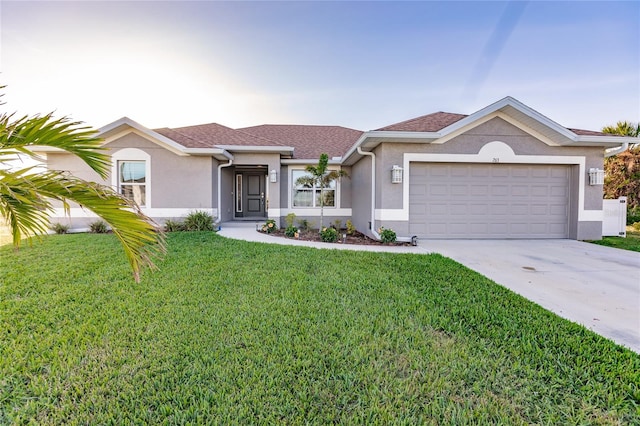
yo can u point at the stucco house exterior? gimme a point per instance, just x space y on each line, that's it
505 171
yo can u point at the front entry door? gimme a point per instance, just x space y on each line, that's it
251 195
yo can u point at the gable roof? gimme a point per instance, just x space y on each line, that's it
308 141
442 126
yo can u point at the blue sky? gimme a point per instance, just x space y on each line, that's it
357 64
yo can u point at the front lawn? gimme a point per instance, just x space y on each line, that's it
236 332
631 242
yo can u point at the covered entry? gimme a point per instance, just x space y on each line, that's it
250 193
490 201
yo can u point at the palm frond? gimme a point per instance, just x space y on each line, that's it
19 136
21 206
25 203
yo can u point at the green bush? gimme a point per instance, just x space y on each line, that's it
59 228
350 228
291 232
198 221
269 226
305 224
329 235
99 227
174 226
290 219
633 216
387 235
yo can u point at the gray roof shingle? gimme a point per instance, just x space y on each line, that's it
309 141
426 123
212 135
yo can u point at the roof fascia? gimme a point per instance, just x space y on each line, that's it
118 128
218 153
608 141
512 102
308 161
284 150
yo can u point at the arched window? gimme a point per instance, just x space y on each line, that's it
131 173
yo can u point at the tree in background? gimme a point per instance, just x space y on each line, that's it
622 171
26 194
623 128
320 177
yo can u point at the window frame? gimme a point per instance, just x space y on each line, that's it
133 155
122 184
315 190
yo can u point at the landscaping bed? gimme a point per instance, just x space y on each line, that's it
355 237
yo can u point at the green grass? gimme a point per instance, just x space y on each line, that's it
231 332
631 242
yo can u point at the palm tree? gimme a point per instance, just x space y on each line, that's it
623 128
320 177
26 194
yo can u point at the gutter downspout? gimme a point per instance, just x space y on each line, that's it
373 191
220 166
618 150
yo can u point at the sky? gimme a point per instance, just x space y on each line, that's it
362 65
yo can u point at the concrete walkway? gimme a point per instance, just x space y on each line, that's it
596 286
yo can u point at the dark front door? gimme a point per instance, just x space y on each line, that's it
250 195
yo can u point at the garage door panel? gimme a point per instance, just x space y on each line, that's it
488 200
558 191
498 209
519 209
519 191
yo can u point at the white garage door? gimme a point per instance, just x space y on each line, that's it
488 200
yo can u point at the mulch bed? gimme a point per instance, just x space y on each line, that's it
354 238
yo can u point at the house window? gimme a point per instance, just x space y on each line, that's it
132 179
306 195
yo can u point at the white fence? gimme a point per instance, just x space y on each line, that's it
614 222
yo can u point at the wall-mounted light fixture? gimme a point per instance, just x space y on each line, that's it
396 174
596 176
273 176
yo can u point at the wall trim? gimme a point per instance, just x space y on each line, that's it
491 153
79 212
313 211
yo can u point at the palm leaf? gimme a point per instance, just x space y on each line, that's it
19 136
24 199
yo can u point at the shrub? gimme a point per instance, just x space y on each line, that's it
291 232
305 224
269 226
350 228
636 226
290 219
633 215
337 224
59 228
174 226
198 221
329 235
387 235
99 227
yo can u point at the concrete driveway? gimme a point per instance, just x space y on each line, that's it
596 286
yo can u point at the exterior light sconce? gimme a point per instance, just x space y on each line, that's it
596 177
396 174
273 176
